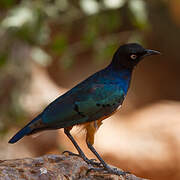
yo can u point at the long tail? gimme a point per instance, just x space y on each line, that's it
27 130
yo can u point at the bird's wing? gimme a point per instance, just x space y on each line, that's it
83 104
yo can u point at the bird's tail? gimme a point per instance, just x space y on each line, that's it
27 130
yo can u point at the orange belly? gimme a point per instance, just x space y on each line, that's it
92 127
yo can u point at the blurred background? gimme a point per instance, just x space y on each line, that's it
48 46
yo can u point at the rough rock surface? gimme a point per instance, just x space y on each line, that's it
55 167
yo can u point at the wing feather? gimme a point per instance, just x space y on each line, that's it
83 104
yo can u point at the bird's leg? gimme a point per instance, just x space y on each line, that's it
105 166
81 154
91 129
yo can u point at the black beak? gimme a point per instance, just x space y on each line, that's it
149 52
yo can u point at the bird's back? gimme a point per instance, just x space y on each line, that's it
97 96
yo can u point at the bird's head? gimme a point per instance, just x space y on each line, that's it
129 55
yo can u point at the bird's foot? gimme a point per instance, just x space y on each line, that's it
70 153
109 170
93 162
88 161
115 171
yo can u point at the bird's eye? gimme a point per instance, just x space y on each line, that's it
133 56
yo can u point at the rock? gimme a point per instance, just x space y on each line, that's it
54 167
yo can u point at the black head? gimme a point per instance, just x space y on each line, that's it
129 55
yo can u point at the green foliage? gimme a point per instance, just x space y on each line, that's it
7 3
59 44
90 32
3 59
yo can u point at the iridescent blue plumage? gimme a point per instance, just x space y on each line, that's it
97 96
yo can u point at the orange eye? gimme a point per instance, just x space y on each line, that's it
133 56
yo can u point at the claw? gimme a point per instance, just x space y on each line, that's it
93 159
70 153
92 162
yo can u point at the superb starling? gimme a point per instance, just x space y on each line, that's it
91 101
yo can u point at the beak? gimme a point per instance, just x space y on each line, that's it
149 52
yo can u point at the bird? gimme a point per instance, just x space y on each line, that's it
90 102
